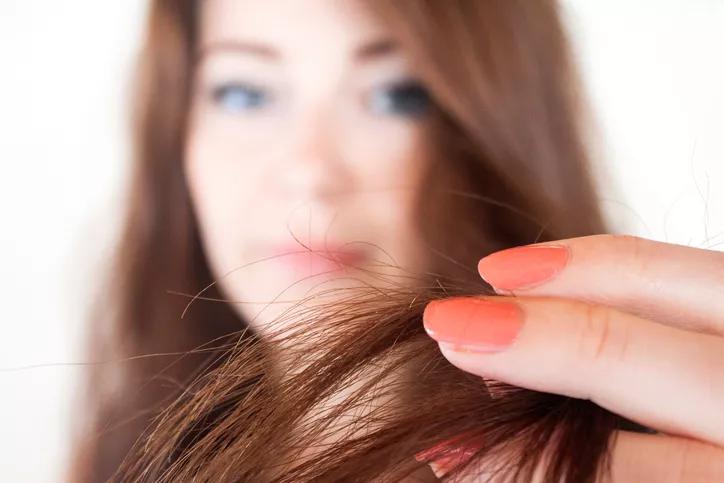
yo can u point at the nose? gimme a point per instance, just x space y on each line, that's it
311 167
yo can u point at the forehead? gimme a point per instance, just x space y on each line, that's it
287 24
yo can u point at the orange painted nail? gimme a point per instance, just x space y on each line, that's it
523 267
471 323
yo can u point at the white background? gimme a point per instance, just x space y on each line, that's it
655 74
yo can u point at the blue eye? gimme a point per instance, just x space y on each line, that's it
235 97
407 98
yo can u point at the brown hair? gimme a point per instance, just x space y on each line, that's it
363 390
509 164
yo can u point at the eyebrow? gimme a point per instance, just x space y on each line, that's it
240 47
366 52
376 48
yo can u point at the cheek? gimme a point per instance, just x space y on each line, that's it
389 166
386 152
222 189
390 162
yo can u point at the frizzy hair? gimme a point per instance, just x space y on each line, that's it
253 420
507 167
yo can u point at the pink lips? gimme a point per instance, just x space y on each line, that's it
331 259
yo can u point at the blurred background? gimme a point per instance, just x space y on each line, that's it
654 70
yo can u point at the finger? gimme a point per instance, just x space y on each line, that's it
635 457
660 376
653 457
668 283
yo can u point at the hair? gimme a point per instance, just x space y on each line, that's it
364 395
508 160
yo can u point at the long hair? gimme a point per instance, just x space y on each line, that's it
364 395
509 167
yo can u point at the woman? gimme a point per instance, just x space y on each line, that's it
282 146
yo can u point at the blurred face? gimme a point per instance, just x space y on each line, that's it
307 132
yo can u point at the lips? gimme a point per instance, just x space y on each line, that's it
322 258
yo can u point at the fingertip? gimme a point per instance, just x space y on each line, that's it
523 267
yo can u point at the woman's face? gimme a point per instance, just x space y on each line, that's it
307 129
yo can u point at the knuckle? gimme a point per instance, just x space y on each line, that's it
635 254
713 373
692 460
682 461
601 340
695 461
637 258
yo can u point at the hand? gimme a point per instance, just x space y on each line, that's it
634 325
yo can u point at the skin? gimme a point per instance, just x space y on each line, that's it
307 135
297 142
322 162
642 323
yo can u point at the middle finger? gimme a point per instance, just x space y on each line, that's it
660 376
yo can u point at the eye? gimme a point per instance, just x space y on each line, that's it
406 98
238 96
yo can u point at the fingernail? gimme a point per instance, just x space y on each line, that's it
523 267
470 323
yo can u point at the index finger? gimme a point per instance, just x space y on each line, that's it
673 284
